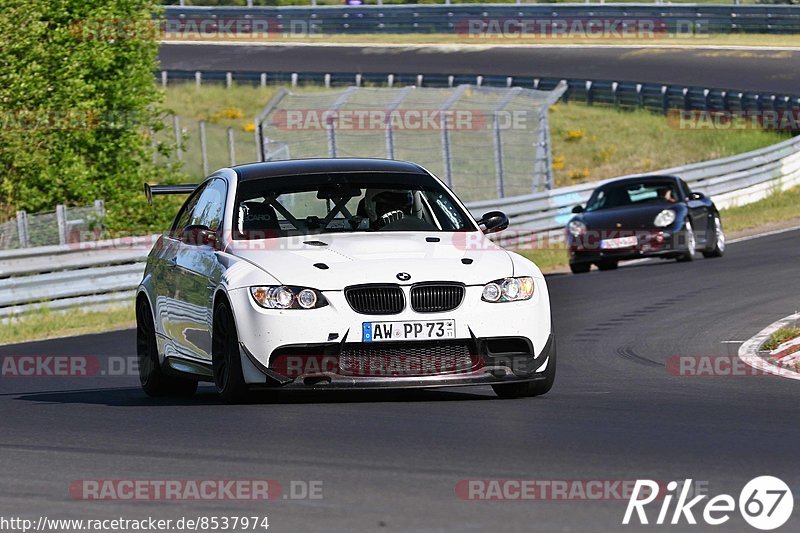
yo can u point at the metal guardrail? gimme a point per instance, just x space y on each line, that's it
632 94
101 274
684 18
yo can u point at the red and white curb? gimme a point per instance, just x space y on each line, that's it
776 362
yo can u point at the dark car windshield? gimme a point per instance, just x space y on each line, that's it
344 202
634 193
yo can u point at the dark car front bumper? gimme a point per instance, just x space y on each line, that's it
664 244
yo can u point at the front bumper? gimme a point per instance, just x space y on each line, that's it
267 335
492 369
650 243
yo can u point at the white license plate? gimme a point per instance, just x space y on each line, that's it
404 331
620 242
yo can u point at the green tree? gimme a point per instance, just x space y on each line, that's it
77 96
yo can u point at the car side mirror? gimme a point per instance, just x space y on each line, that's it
493 221
577 209
697 196
198 235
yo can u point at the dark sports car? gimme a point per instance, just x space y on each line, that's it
646 216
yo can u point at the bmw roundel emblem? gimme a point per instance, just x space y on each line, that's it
404 276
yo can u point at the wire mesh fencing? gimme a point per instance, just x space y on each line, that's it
485 142
65 225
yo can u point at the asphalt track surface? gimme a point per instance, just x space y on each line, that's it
390 461
745 70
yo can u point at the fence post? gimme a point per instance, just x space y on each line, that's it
61 219
22 229
176 126
231 149
100 211
446 152
498 157
204 147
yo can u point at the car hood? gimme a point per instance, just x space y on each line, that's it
634 217
354 258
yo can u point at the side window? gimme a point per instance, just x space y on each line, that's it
210 205
184 216
686 190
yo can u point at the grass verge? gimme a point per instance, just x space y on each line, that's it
781 336
47 324
777 207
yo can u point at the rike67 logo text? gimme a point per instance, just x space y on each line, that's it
765 503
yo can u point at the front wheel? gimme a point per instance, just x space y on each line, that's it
226 360
580 268
154 381
609 264
719 240
691 244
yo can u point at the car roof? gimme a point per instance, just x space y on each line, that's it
636 179
294 167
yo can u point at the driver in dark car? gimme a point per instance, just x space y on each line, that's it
667 194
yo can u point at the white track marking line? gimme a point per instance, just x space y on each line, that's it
767 234
748 351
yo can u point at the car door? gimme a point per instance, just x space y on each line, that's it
197 274
167 313
699 212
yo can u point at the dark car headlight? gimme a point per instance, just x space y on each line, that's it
576 228
287 297
508 290
664 218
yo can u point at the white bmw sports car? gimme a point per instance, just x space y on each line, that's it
337 274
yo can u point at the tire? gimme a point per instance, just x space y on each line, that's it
719 240
154 381
607 265
226 361
580 268
532 388
691 244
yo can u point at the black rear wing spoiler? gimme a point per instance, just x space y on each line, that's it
150 190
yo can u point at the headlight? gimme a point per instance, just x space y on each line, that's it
508 290
283 297
664 218
576 228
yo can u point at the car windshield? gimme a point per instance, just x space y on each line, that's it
633 194
345 202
